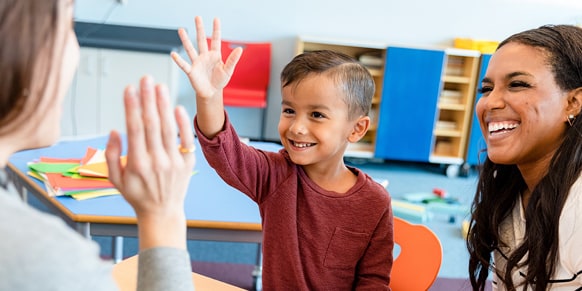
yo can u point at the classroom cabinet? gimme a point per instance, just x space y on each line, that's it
475 150
408 113
427 105
371 55
94 103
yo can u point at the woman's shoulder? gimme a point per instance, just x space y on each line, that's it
575 195
43 246
36 230
570 220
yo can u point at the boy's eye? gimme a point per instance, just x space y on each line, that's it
288 111
317 115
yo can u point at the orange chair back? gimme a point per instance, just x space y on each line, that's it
419 261
249 83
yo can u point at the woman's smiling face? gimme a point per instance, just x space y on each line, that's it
522 111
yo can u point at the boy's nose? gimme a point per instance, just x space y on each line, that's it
298 127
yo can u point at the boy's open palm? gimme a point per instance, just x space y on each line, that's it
207 73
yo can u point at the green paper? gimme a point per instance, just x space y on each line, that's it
52 167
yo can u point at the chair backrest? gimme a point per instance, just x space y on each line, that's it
419 261
249 83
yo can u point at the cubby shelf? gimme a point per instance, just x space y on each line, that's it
458 84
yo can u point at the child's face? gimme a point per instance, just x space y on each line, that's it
314 126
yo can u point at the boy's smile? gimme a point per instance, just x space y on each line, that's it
301 145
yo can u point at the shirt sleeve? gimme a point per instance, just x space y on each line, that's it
252 171
164 269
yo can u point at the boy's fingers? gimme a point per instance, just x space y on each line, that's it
215 45
200 35
232 60
182 64
187 43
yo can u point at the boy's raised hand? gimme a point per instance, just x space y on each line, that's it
207 73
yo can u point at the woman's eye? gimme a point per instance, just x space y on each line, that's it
484 89
518 84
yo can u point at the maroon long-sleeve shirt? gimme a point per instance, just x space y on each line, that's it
313 239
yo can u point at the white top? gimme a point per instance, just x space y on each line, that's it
568 268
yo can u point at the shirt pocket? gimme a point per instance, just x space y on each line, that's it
345 248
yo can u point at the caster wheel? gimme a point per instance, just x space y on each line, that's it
465 170
452 171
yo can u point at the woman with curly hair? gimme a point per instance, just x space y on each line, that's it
525 226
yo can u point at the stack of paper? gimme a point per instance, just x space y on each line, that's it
81 179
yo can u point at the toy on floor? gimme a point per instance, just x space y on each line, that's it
420 206
465 228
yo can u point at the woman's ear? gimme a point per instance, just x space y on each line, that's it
361 126
574 102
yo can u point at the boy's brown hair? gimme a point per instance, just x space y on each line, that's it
351 76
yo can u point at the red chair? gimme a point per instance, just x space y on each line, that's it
419 261
250 81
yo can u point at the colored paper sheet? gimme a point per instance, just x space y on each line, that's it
80 179
60 182
94 170
88 155
84 195
36 175
96 165
59 160
43 167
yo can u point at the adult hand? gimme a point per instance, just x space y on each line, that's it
157 172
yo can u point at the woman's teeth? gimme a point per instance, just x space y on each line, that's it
501 126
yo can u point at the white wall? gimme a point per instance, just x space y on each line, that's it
404 22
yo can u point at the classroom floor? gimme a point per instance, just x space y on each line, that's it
406 178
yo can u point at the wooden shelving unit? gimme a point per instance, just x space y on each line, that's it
376 54
455 106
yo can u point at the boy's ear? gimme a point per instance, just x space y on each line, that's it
360 128
574 102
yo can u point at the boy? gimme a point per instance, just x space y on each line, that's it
325 225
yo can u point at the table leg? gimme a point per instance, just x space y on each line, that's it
24 194
258 271
20 188
84 228
117 249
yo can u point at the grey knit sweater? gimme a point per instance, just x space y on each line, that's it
40 252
